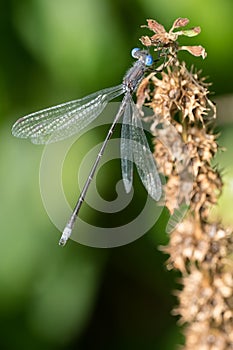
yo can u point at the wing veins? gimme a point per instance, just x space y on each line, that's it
144 159
64 120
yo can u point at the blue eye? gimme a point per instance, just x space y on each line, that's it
140 55
148 60
133 52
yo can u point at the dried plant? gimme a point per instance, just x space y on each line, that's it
184 146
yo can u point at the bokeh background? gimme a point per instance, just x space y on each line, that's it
81 297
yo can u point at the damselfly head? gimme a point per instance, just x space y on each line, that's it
142 55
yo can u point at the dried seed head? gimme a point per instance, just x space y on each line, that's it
206 244
177 92
184 145
203 336
204 297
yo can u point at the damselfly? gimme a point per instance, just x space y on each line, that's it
59 122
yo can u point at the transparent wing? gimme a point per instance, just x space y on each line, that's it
126 149
59 122
177 217
144 159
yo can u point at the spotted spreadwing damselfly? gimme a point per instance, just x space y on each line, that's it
61 121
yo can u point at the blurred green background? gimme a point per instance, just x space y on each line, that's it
78 297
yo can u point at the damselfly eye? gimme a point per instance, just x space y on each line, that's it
133 52
148 60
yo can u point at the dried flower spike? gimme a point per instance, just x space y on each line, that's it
184 146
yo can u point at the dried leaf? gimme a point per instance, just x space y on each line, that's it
195 50
192 32
180 22
155 26
145 40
